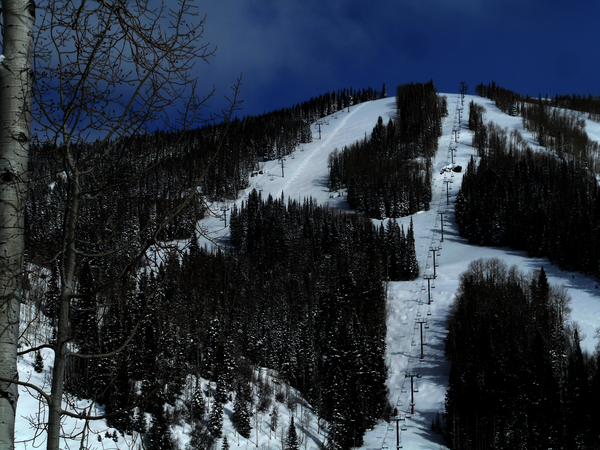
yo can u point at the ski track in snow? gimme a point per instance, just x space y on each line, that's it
325 144
407 301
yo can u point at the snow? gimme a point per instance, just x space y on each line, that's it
306 176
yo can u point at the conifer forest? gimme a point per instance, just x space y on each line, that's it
291 309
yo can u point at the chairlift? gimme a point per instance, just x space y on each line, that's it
400 403
429 312
413 343
404 390
416 387
403 427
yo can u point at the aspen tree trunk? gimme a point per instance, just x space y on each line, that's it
15 123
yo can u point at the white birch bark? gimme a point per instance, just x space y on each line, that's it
15 122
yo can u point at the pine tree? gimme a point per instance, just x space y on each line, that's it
542 137
159 435
225 445
411 254
38 366
241 412
215 421
578 394
291 442
201 438
52 294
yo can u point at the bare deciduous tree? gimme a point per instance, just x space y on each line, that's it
105 70
15 123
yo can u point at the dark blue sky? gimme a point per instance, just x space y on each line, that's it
289 51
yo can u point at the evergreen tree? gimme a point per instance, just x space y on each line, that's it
159 434
412 265
578 417
542 137
215 421
52 294
200 437
241 410
291 442
38 366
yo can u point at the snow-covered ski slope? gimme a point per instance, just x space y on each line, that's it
305 175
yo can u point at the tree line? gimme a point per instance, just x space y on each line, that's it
148 174
530 201
557 124
588 104
388 174
518 377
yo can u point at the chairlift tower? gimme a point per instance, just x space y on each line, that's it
447 183
434 250
399 418
412 376
421 323
282 166
429 278
225 209
441 213
453 149
463 91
